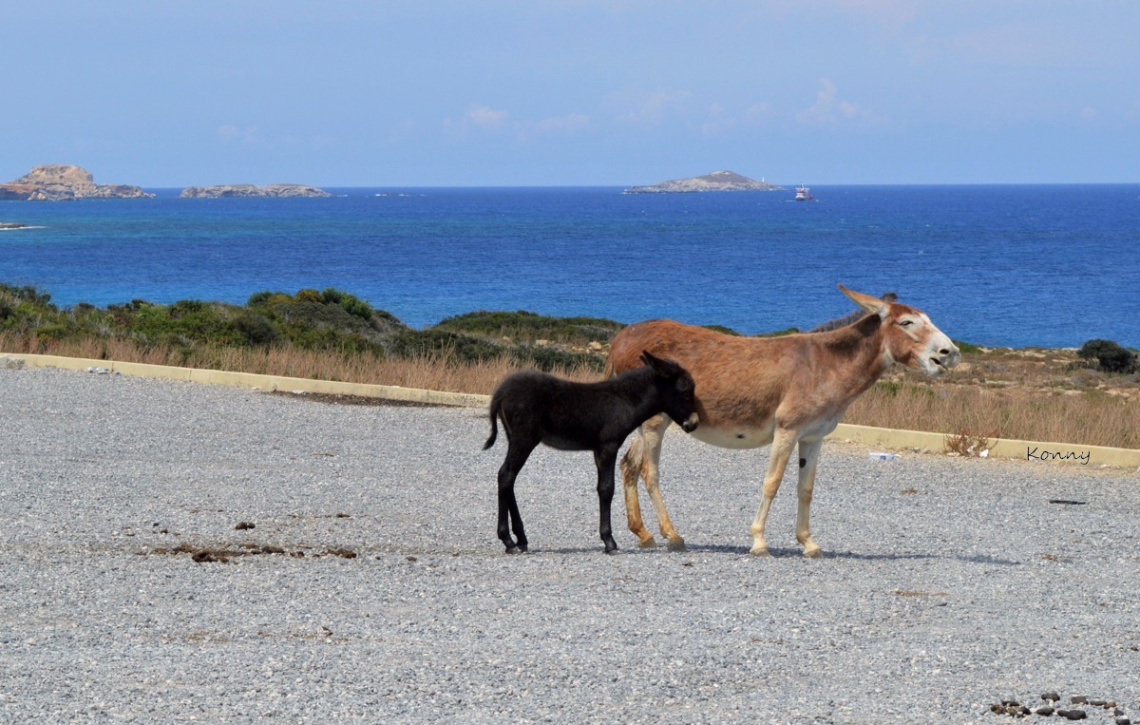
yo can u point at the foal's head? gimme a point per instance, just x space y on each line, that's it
675 389
912 339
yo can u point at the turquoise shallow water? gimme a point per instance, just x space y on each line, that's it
993 265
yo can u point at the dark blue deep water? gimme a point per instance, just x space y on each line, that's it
992 265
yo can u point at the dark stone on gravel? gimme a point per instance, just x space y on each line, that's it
1045 710
1078 699
1073 714
244 525
1050 696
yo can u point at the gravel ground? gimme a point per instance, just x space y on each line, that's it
947 585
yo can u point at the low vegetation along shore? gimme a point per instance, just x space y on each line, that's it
1087 396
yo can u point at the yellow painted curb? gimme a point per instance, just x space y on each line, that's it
271 383
1031 451
886 438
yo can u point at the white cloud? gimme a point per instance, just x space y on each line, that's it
829 108
232 134
647 109
722 120
486 117
482 117
756 113
562 124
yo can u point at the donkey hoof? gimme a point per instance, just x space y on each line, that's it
676 544
761 551
612 551
515 549
649 543
816 553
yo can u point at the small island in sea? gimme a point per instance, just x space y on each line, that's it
250 190
716 181
63 182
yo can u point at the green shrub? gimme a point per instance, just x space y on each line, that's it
550 358
445 345
523 326
966 347
724 330
1110 356
254 328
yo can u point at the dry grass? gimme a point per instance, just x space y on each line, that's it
1014 394
1032 395
975 413
440 372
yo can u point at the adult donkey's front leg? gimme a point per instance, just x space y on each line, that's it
783 443
809 457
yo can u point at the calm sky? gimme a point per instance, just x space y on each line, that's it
171 93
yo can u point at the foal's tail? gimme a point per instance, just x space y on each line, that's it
496 403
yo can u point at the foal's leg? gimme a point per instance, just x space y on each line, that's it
604 458
782 444
809 457
517 453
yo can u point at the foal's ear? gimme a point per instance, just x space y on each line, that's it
664 368
870 304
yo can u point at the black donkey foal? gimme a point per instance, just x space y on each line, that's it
538 408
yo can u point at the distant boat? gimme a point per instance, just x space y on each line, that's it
803 193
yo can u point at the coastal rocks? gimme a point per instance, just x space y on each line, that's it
62 182
250 190
716 181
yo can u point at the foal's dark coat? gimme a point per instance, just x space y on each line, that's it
538 408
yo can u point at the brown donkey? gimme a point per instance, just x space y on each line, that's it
752 392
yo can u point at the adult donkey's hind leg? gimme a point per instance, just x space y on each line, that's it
641 460
517 453
630 473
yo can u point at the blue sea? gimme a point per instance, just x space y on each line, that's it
992 265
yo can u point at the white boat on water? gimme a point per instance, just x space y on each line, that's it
803 193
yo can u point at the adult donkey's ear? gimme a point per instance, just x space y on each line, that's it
870 304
